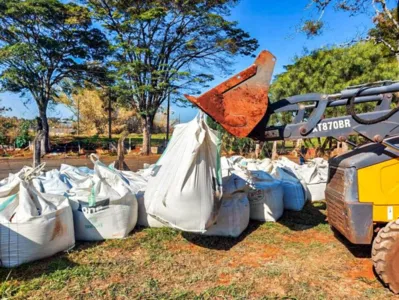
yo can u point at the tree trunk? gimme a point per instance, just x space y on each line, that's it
274 151
257 150
37 148
46 130
147 126
298 143
120 163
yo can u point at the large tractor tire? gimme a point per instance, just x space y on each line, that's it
385 255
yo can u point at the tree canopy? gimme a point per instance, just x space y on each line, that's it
42 44
163 47
385 15
333 69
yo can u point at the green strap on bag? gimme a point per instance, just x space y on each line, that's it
7 202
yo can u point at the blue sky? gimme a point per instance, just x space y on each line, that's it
273 23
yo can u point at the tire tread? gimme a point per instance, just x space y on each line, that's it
386 238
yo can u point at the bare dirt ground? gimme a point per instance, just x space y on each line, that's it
297 258
13 165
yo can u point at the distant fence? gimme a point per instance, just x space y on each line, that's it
94 143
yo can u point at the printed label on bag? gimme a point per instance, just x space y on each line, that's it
256 195
99 206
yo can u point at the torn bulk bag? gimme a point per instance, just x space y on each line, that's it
185 188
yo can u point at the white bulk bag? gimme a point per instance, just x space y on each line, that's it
252 166
137 185
144 219
266 198
233 184
9 185
81 177
315 174
106 210
266 165
235 159
146 172
294 195
294 170
33 226
185 189
233 216
317 191
51 183
227 166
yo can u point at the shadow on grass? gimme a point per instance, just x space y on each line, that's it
219 242
358 251
312 215
45 267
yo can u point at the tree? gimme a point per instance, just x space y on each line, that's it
331 70
386 19
163 47
87 105
42 44
3 109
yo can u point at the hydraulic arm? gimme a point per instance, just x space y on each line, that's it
241 106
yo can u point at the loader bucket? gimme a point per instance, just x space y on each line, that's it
240 103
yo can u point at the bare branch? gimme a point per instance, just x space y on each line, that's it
387 11
388 45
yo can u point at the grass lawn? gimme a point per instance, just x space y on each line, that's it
297 258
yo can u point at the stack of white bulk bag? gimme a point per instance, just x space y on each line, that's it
265 197
106 209
185 189
233 216
33 225
294 195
